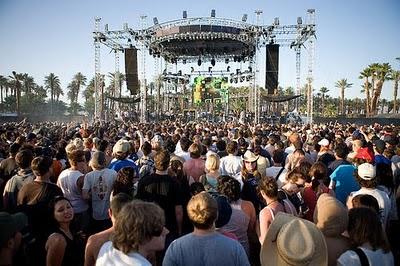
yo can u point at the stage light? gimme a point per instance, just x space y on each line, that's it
213 13
235 80
276 21
231 80
237 71
155 20
247 78
250 69
199 62
213 62
180 73
209 69
184 14
106 28
228 69
192 69
226 60
184 61
299 21
244 18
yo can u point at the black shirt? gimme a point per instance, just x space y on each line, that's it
164 191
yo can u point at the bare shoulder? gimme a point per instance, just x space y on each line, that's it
56 239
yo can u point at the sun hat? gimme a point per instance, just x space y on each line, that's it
323 142
10 224
249 156
366 171
122 146
293 241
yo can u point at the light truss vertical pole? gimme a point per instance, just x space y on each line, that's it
257 94
97 83
298 72
143 92
117 92
310 78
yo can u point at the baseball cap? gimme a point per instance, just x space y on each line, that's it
366 171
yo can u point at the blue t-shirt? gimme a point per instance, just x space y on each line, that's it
119 164
213 249
345 182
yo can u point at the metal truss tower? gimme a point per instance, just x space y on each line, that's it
298 75
310 77
117 92
97 82
257 94
143 89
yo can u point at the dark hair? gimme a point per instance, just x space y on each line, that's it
304 168
103 145
384 175
232 147
319 172
14 148
221 145
278 156
195 188
229 187
365 226
41 165
365 200
185 143
124 181
24 159
146 148
269 187
52 204
341 150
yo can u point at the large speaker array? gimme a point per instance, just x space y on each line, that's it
131 71
271 68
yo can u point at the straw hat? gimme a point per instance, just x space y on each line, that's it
248 156
293 241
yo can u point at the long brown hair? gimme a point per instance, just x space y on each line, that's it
365 226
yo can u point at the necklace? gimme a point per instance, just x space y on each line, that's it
271 202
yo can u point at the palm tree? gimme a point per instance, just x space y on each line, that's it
80 80
52 84
28 83
3 85
15 80
324 91
395 76
342 85
381 73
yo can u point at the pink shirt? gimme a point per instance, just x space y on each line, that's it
194 168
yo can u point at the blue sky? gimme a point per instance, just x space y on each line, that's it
39 37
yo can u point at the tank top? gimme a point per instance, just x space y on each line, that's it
74 250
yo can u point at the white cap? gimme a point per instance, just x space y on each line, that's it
323 142
366 171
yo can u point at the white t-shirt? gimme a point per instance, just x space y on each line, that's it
231 165
375 258
383 202
273 171
108 255
67 182
100 183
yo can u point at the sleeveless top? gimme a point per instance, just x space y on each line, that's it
238 224
74 251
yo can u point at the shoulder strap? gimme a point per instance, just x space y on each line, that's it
279 173
272 213
361 254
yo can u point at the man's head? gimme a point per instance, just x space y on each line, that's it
42 166
161 160
117 202
202 211
10 230
24 159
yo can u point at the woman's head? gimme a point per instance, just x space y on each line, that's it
212 163
268 188
365 227
61 210
229 187
202 210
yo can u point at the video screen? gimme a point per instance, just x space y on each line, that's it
210 88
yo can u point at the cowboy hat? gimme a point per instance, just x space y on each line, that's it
248 156
293 241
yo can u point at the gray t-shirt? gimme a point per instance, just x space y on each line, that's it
213 249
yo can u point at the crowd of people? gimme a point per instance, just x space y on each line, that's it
199 193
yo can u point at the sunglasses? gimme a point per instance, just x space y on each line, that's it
299 185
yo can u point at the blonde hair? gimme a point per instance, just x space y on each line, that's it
136 224
212 162
202 210
78 144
